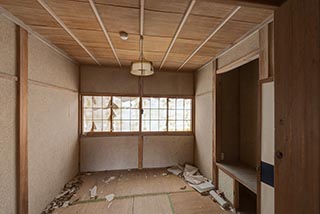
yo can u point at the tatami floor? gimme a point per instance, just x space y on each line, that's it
141 192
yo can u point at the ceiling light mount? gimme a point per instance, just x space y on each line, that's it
123 35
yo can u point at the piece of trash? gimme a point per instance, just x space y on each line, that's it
191 175
64 198
88 173
164 174
109 205
93 192
109 197
223 203
183 188
109 179
203 187
175 170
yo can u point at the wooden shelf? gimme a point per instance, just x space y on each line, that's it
244 174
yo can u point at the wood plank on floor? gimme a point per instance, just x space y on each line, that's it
194 203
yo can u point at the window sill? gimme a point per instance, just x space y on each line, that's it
111 134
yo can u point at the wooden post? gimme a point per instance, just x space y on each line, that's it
23 122
214 124
140 141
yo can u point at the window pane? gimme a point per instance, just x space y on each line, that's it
135 125
163 103
125 114
146 125
135 114
106 126
172 126
172 114
172 103
97 101
146 102
154 102
187 125
106 114
154 114
163 114
179 115
163 125
146 114
116 114
87 114
87 101
179 125
125 126
135 102
187 115
187 104
126 102
97 124
116 102
116 126
97 114
87 125
154 125
106 102
180 103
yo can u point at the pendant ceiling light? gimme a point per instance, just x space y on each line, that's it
141 67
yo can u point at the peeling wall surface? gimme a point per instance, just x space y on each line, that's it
108 153
8 117
121 152
164 151
53 124
226 185
203 117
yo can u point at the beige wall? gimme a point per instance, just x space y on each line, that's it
163 151
121 152
8 124
203 117
108 153
53 124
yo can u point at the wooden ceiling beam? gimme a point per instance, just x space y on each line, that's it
184 19
211 35
63 25
266 4
103 28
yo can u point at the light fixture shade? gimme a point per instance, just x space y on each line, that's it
142 68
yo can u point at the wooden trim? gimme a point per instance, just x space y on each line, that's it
214 123
236 198
8 76
270 79
103 28
239 62
266 4
21 24
48 85
23 122
174 38
140 145
264 52
111 134
214 32
64 26
203 93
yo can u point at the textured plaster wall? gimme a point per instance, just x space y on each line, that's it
53 124
8 118
203 117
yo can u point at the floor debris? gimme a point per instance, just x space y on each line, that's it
63 199
176 170
164 174
109 179
192 175
203 187
223 203
109 205
183 188
93 192
109 197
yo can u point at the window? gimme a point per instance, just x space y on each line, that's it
97 115
122 114
154 117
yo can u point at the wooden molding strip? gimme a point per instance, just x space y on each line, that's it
211 35
20 23
62 24
241 61
203 93
23 122
8 77
266 4
240 40
48 85
184 19
103 28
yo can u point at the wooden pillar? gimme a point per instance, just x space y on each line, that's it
214 124
297 107
23 122
140 140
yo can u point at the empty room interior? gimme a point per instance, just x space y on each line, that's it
159 107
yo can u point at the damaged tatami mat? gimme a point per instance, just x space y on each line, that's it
139 191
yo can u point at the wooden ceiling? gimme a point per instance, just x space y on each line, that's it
161 21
